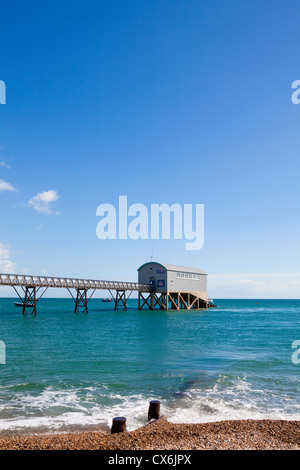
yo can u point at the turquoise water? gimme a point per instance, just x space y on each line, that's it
74 371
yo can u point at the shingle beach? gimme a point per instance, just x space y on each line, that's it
163 435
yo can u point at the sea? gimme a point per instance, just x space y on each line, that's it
63 371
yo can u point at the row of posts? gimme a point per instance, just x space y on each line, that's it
119 423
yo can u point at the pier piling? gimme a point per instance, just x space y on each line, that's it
154 410
118 425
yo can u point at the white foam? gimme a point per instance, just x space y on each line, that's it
54 410
62 410
237 402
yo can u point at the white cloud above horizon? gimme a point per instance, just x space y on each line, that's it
43 201
5 186
6 265
4 165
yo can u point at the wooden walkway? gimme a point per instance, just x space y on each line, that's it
34 287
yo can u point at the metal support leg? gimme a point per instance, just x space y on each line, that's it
153 300
28 303
81 300
120 300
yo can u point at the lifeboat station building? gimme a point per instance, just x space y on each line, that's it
172 287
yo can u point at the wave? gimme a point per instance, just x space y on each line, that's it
62 410
74 409
233 399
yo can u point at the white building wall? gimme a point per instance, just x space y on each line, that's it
182 281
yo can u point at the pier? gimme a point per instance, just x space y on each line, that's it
161 286
30 289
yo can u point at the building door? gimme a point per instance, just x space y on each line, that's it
152 283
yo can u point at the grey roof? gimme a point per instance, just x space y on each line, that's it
174 267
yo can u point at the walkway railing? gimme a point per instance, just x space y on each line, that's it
64 282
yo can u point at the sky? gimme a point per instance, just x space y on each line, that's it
185 102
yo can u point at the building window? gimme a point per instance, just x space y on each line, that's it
188 276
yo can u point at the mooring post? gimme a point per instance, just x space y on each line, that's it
154 410
118 425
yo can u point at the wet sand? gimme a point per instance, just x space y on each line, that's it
163 435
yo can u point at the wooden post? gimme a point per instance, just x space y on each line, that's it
152 301
118 425
154 410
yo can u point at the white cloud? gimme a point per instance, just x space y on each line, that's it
6 265
4 165
5 186
42 201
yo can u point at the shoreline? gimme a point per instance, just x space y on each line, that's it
249 434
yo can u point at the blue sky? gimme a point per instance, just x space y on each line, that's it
164 102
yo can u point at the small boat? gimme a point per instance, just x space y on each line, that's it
19 304
106 300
